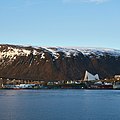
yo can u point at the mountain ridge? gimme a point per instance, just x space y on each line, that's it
57 63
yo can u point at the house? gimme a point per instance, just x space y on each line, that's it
117 77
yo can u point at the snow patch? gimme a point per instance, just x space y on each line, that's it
35 52
55 51
11 53
43 56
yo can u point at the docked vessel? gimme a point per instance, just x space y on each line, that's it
116 85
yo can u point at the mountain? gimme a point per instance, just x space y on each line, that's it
57 63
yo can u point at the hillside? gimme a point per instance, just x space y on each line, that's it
57 63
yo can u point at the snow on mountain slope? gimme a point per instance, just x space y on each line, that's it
12 52
84 51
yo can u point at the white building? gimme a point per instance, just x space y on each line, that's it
90 77
117 77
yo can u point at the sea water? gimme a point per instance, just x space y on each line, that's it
59 104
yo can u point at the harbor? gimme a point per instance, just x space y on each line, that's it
89 82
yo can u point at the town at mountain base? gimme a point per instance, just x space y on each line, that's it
57 63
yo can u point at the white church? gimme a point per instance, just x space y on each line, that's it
90 77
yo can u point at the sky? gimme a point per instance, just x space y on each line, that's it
65 23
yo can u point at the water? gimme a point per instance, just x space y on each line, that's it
59 105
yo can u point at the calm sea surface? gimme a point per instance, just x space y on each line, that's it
59 105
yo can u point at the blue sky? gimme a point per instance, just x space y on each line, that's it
84 23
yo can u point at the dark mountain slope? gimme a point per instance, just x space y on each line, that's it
40 63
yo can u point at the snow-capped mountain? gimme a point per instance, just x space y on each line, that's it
57 63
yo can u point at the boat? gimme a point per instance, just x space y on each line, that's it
116 85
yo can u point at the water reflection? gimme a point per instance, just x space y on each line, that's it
59 104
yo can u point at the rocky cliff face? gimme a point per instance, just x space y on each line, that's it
56 63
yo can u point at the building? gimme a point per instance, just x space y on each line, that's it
117 77
1 82
90 77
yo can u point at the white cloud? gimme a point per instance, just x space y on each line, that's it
87 1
